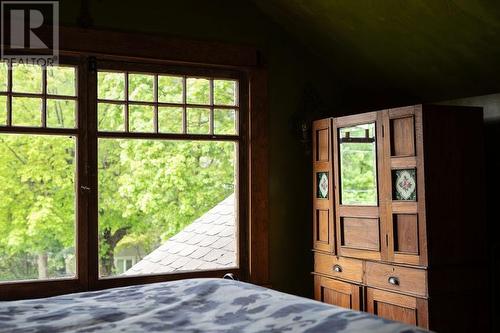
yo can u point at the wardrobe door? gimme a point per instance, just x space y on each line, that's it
405 201
346 295
359 225
407 309
323 214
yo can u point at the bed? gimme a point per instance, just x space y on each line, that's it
194 305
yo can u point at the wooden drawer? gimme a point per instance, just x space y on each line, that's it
344 268
403 279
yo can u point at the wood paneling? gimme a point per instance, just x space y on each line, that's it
405 151
339 267
132 45
359 211
334 297
402 136
323 146
323 230
397 313
403 162
405 230
360 233
421 190
258 189
410 207
337 293
392 306
323 213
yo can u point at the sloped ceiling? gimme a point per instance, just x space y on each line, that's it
425 50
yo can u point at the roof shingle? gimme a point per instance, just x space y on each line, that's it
207 243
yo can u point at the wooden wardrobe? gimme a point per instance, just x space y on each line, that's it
398 216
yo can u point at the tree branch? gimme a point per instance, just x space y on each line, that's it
14 152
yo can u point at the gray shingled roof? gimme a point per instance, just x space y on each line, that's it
207 243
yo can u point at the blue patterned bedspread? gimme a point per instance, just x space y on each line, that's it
195 305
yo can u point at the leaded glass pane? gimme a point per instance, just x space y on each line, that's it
322 185
404 184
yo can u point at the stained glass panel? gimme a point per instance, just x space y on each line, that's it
322 185
404 184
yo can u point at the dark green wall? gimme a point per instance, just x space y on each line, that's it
291 68
401 50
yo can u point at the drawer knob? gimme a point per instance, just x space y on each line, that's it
337 268
394 281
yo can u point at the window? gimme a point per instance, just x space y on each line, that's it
358 165
137 176
38 172
150 189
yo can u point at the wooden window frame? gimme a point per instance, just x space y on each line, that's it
92 50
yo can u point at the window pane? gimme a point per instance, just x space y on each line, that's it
61 81
3 76
3 110
224 92
198 91
26 111
27 78
170 89
119 266
111 85
61 113
358 165
224 121
111 117
170 204
170 119
140 87
37 207
141 118
198 121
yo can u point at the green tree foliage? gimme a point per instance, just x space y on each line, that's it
358 167
149 190
37 206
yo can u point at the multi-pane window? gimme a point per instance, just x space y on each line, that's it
163 151
32 96
162 198
37 172
158 103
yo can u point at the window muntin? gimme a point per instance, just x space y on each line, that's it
35 96
170 121
142 103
